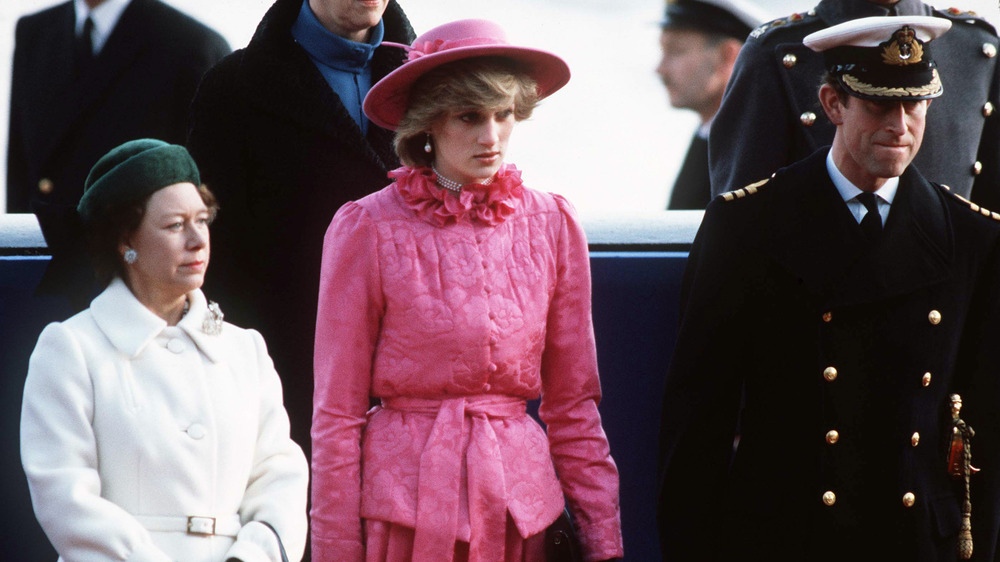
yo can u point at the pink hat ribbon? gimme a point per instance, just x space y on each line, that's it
429 47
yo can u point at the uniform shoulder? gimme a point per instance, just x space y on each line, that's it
794 26
46 18
964 203
965 19
744 192
181 27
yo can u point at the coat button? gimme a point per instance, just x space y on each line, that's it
988 109
829 498
926 379
977 168
45 186
990 50
487 387
789 60
807 118
915 439
196 431
492 315
493 340
827 316
832 436
493 367
488 288
484 263
909 499
177 346
934 317
830 374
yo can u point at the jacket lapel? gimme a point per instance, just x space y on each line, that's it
915 251
817 239
127 41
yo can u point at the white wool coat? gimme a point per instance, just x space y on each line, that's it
130 426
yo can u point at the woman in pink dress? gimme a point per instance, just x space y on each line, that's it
453 296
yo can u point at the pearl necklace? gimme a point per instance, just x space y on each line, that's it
452 185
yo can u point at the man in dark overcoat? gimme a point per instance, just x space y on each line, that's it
830 313
78 90
282 152
769 117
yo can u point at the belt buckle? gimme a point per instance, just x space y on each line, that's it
198 525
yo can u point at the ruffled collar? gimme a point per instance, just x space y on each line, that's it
489 205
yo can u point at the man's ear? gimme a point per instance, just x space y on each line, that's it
831 103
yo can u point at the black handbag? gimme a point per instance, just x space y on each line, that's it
281 546
561 542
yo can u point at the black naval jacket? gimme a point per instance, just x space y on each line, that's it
282 154
62 121
771 117
781 285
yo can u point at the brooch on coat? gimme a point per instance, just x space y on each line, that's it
212 324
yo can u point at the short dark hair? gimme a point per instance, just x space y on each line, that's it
831 80
117 222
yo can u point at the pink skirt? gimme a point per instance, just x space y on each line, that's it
388 542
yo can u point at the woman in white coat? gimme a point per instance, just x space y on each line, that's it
151 430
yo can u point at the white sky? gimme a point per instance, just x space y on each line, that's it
609 141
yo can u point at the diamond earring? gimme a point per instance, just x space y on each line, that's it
130 256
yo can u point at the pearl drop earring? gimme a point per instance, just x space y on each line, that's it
427 145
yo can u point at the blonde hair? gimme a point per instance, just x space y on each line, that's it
478 83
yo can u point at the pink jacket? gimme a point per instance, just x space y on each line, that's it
454 311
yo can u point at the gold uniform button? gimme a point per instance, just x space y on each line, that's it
827 316
909 499
789 60
926 379
829 498
807 118
988 109
832 436
830 374
990 50
977 168
915 439
45 186
934 317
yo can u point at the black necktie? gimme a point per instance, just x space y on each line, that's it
871 224
85 47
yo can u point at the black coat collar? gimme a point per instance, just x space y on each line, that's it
277 75
838 11
815 237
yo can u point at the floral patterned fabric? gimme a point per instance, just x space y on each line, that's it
454 310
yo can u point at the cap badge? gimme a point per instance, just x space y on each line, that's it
903 48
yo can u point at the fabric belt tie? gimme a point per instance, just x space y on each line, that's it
228 526
439 482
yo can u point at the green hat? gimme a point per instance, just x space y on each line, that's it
133 171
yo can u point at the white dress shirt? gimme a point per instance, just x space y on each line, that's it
849 192
105 17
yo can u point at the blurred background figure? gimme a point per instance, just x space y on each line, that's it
769 117
279 135
89 75
700 41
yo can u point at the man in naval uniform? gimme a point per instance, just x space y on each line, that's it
769 117
89 75
835 309
699 41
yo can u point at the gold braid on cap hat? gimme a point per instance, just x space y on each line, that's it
884 91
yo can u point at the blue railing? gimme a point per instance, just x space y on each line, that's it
637 261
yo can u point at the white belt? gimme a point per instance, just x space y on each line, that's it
227 526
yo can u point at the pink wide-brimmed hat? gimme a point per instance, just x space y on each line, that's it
387 101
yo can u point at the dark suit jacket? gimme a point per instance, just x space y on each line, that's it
766 118
140 85
692 190
764 270
282 154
